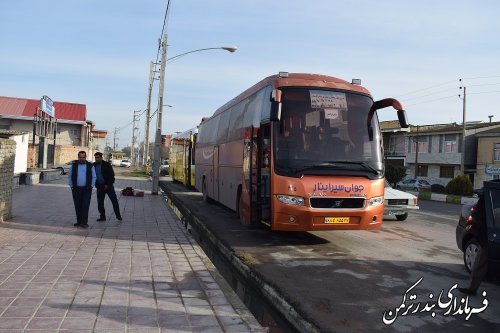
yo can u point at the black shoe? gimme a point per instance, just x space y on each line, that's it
77 224
101 219
467 291
119 218
84 225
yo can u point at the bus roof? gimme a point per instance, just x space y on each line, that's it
295 80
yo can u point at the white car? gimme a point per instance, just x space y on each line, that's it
125 163
398 203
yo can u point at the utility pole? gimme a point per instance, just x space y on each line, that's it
145 160
114 138
156 156
416 155
462 164
133 156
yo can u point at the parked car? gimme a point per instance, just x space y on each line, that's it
414 185
468 227
398 203
63 168
125 163
164 168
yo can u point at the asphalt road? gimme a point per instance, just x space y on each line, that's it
345 281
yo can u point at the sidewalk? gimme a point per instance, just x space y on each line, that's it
144 274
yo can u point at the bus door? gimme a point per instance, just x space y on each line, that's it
215 182
264 163
256 197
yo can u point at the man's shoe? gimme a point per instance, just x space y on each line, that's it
83 225
119 218
77 224
467 291
101 219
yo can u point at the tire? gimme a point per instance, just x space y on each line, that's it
61 171
415 189
470 253
402 217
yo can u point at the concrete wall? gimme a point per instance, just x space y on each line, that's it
7 158
21 160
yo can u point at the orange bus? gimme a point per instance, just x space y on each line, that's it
297 152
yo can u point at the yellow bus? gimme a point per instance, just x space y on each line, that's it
181 157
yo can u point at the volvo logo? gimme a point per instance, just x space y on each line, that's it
337 203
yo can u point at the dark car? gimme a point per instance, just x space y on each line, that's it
468 226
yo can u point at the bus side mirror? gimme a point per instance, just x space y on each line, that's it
275 105
403 120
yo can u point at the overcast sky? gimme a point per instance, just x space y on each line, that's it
97 52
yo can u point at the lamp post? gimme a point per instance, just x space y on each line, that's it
164 61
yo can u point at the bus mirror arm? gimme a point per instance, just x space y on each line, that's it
383 103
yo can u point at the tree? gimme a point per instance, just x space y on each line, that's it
126 150
394 174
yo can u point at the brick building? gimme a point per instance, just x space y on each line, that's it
72 134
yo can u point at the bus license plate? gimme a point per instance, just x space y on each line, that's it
336 220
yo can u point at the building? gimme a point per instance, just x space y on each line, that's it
22 141
435 151
72 130
394 142
488 156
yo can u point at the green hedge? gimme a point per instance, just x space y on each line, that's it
460 185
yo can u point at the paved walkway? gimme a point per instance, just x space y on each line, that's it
144 274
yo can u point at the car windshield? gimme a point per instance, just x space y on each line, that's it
325 131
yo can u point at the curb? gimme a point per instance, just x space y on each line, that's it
445 198
272 295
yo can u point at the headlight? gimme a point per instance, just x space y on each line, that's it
291 200
375 201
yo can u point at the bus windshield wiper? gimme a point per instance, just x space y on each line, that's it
318 166
363 164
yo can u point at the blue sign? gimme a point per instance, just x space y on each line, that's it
47 106
492 170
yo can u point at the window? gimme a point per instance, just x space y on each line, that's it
74 132
496 152
450 143
446 171
423 145
422 170
5 127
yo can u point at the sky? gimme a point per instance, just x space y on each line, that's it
97 53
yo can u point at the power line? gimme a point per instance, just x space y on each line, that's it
434 86
434 93
432 100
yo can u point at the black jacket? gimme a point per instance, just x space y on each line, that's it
107 172
74 173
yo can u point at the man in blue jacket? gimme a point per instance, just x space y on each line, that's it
81 179
105 179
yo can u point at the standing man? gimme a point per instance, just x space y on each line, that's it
81 179
105 178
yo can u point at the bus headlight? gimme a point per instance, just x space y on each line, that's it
375 201
291 200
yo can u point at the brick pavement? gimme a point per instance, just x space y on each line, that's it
144 274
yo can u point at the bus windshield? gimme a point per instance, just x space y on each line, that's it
325 132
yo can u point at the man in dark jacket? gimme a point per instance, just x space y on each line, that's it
105 178
81 179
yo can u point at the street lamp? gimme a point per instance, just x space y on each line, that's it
164 61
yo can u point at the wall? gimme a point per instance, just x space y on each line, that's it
21 160
64 154
7 158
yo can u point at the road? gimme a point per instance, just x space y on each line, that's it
344 281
